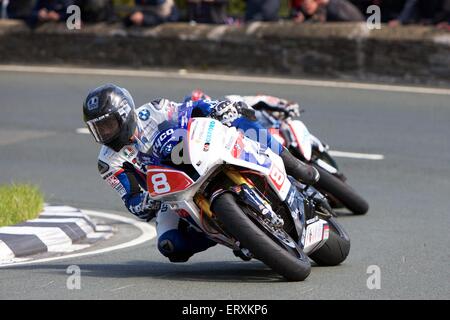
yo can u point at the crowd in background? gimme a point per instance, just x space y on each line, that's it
154 12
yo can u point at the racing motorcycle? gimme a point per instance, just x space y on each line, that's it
294 135
238 193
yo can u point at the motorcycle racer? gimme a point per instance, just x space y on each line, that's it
133 138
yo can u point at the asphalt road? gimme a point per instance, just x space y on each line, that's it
405 233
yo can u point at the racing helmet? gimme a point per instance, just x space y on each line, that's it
109 114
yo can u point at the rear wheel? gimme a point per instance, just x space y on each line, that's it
341 191
291 264
336 249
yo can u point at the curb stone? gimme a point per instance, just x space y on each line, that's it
58 229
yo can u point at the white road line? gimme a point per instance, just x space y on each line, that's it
339 154
183 74
354 155
82 130
148 233
121 288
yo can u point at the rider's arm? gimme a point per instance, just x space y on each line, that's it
128 183
220 110
133 197
199 108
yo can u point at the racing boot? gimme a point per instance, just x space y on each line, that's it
301 171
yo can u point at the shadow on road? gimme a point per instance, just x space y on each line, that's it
214 271
343 213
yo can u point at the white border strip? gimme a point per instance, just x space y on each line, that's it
184 74
148 232
53 237
6 253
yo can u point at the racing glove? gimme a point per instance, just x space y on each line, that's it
147 209
226 112
292 109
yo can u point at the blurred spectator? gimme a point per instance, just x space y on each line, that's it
325 10
123 8
417 11
311 10
397 12
262 10
342 10
20 9
390 9
96 10
3 5
207 11
152 12
50 11
363 4
443 16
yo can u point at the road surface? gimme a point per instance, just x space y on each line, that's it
405 233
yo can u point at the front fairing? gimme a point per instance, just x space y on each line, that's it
301 138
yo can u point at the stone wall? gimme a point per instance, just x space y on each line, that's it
412 54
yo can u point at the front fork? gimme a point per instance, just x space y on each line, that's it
205 205
244 189
241 184
301 208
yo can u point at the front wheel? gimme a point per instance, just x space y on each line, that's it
336 248
258 242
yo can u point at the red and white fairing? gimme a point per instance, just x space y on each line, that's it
301 136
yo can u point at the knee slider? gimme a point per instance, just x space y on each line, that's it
171 242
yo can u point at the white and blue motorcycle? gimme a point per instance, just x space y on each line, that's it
239 195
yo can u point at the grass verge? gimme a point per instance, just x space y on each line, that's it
19 202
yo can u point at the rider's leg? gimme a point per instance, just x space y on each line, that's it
294 167
298 169
177 240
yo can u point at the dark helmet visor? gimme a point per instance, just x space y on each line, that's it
105 128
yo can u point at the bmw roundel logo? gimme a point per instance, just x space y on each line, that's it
144 115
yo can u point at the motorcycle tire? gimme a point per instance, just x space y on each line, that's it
336 248
341 191
261 245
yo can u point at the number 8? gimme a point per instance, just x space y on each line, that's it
160 183
277 176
